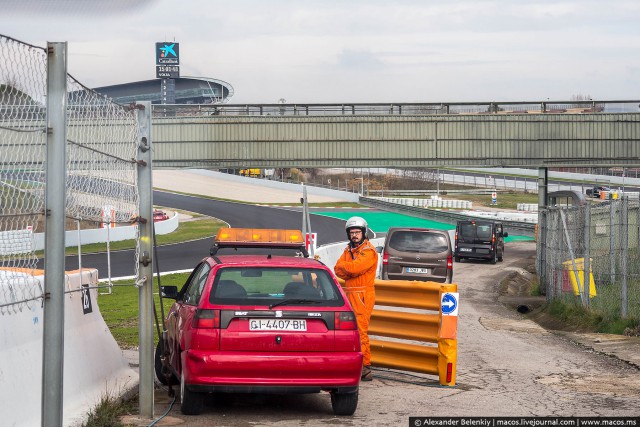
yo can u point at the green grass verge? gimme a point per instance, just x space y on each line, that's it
108 412
507 200
120 308
571 312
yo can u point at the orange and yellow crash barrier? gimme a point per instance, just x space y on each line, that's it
433 320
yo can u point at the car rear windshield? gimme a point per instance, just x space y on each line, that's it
469 231
271 285
418 241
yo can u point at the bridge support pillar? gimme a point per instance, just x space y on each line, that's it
541 237
543 191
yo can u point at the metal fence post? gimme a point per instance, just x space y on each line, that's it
612 241
55 200
624 256
587 253
145 274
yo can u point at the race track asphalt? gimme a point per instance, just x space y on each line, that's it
184 256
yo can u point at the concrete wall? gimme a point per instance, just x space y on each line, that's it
99 235
93 363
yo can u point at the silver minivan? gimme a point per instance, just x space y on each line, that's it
417 254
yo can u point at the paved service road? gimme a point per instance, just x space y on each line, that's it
507 366
184 256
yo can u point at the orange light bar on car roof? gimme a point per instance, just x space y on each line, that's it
259 235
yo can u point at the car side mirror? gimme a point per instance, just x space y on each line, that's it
169 292
379 249
505 234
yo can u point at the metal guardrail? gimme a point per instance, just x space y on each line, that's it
399 108
523 228
433 328
477 191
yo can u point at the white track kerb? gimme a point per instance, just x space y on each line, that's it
93 363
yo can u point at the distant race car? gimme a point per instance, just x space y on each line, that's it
159 216
260 324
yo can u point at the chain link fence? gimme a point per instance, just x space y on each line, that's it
600 238
101 176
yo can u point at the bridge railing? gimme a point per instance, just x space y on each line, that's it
428 108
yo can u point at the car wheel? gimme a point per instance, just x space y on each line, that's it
344 403
494 258
501 256
190 403
160 370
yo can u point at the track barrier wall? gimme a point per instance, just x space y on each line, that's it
94 366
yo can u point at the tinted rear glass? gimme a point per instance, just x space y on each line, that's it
266 286
469 231
418 241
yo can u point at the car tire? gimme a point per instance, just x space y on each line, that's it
190 402
494 258
160 369
344 403
501 256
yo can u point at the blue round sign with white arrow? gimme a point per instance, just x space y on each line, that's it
449 304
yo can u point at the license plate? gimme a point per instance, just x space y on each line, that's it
416 270
466 250
277 325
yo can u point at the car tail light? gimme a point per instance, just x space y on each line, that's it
493 239
206 319
345 320
385 258
449 262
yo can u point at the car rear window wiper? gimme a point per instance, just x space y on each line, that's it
294 301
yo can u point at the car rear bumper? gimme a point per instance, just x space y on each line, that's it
476 256
199 388
437 279
288 372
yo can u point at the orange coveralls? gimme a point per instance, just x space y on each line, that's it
357 266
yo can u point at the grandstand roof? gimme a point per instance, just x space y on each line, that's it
188 90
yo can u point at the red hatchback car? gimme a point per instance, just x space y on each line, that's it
260 324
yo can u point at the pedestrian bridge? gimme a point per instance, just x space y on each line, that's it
396 135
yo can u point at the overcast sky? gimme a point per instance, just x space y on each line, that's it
309 51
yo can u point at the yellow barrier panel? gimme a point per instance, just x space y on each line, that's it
439 328
408 326
410 294
408 357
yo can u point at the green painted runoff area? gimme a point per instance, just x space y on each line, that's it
380 222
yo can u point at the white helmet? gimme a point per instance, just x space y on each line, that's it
356 222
